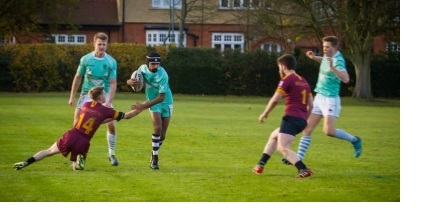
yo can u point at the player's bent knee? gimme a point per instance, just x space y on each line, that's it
283 150
329 132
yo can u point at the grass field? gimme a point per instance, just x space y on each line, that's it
212 144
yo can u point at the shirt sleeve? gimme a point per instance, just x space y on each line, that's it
113 69
82 66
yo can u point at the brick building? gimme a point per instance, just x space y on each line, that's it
211 24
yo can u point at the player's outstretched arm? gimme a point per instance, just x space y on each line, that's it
312 56
128 115
148 104
132 113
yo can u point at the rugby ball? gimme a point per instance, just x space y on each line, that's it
137 75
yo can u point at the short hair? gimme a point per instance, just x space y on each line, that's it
153 57
333 40
96 92
287 60
100 35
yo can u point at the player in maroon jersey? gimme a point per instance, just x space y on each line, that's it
76 141
298 103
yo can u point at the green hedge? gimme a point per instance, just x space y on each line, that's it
51 67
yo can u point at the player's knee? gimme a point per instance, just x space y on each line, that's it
274 135
283 150
157 129
307 131
111 127
329 132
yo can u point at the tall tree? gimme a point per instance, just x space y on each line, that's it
21 18
356 22
359 22
194 11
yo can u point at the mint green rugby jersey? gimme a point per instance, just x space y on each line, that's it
328 83
156 83
97 71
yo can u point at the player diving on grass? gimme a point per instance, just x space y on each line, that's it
76 141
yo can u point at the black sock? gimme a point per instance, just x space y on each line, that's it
30 160
264 158
300 165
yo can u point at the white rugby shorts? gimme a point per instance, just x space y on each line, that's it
83 98
326 106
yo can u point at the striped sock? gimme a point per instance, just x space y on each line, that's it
155 143
303 146
111 140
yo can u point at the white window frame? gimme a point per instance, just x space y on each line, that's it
166 4
228 40
10 40
156 37
239 4
393 47
223 4
73 39
272 47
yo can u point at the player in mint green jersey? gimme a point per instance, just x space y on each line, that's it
97 68
327 103
159 101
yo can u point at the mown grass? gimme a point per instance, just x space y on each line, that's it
212 144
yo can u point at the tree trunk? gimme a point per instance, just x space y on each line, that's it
361 62
183 13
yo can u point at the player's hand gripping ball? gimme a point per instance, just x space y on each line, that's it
137 75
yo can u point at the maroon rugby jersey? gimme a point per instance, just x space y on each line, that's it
92 115
296 91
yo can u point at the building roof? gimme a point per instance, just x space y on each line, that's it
97 12
90 13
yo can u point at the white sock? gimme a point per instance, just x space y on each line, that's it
111 140
341 134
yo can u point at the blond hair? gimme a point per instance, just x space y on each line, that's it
101 36
96 92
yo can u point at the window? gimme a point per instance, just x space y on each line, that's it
4 40
323 11
69 39
393 47
240 4
237 4
166 4
161 37
224 4
61 39
81 39
222 41
271 47
251 3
